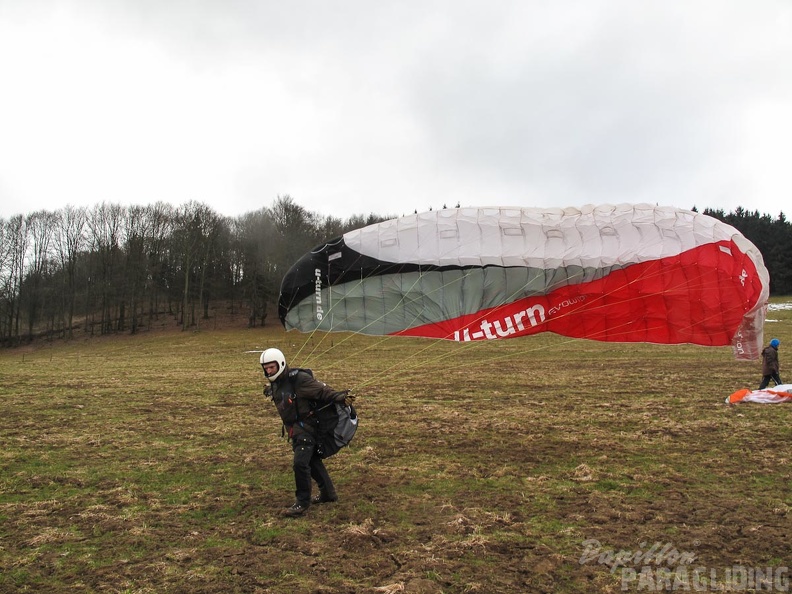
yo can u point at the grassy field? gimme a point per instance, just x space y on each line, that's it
153 464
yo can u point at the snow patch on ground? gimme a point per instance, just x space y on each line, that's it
779 306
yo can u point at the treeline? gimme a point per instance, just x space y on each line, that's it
111 268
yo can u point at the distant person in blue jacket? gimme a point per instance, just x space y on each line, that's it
770 367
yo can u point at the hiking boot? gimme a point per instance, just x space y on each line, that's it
323 498
295 510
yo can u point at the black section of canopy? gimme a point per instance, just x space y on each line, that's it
337 263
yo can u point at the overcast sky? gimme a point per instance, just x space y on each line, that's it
362 106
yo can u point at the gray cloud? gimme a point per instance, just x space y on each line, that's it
357 106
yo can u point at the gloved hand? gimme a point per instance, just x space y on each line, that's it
344 397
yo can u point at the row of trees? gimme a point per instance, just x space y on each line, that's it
772 236
112 269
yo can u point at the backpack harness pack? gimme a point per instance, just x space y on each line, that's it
336 422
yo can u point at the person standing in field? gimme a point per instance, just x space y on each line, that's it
771 369
295 394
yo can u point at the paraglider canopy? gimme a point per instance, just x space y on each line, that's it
623 273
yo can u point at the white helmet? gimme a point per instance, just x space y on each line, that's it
273 356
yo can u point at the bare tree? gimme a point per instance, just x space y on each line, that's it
15 241
10 270
40 292
161 218
137 230
297 232
5 289
69 241
105 225
255 240
213 228
198 228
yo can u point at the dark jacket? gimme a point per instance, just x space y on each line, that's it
770 361
296 394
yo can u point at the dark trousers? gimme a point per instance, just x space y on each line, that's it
308 465
775 376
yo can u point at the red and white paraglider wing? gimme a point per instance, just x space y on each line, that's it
624 273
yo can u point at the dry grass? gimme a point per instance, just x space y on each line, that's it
153 464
